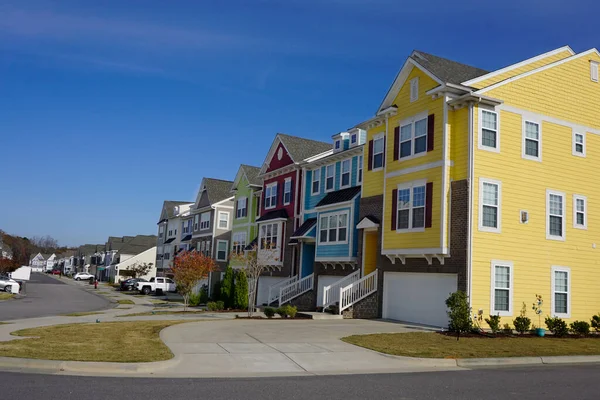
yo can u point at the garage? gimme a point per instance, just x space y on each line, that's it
417 297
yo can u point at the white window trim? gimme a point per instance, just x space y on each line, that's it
375 138
412 122
359 169
574 151
333 186
226 214
284 182
354 137
217 250
315 172
342 186
236 239
539 124
594 70
196 221
270 186
556 268
337 233
337 145
414 89
493 311
480 144
411 185
482 228
279 236
239 201
564 213
207 221
585 213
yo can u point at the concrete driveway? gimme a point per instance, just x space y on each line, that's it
276 347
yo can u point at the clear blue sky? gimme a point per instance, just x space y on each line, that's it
107 109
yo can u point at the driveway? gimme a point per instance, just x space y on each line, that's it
48 296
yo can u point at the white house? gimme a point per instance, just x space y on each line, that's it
50 262
128 260
38 262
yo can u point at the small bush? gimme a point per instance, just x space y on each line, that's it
459 314
522 323
507 329
596 323
220 306
287 311
269 312
194 300
494 322
557 326
292 311
580 327
215 306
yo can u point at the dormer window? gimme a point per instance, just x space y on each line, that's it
353 139
338 144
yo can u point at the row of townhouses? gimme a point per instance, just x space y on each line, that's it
464 179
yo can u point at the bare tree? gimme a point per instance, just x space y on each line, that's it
44 242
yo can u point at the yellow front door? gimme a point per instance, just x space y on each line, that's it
370 252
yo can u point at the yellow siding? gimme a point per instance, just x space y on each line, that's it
522 70
370 252
372 180
459 139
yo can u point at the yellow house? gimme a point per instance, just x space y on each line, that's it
481 181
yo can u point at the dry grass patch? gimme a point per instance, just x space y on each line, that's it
6 296
105 342
82 314
151 313
126 301
434 345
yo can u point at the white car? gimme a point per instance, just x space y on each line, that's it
9 285
83 276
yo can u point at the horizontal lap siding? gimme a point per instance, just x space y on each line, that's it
459 143
335 250
310 201
373 180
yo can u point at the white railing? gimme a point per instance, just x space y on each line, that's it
295 289
358 290
331 292
274 289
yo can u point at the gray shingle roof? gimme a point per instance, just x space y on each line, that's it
306 227
301 148
217 189
170 206
447 70
252 174
339 196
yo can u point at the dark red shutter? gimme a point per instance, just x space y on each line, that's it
396 143
384 151
370 166
428 204
291 191
235 205
394 209
430 130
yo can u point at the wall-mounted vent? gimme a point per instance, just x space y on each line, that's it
524 216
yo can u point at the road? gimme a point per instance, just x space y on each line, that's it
47 296
565 382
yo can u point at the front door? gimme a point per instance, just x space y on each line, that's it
369 252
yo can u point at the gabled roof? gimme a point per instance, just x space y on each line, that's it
339 196
216 189
168 210
305 229
276 214
298 148
251 174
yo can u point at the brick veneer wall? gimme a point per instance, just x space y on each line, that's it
306 301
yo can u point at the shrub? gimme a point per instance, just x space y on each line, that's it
287 311
220 305
215 306
522 323
557 326
292 311
227 287
203 295
459 313
241 291
494 322
269 312
194 300
596 323
580 327
507 329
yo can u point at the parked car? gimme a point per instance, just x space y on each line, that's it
156 284
130 284
9 285
83 276
56 272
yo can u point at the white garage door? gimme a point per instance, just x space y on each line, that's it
417 297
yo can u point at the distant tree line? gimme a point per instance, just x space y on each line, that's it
23 248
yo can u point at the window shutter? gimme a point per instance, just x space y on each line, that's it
291 191
430 130
370 166
428 204
394 209
384 151
396 142
235 208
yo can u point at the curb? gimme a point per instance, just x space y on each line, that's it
515 361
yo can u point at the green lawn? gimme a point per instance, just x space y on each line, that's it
106 342
126 301
82 314
434 345
6 296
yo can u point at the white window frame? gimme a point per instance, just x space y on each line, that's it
575 211
411 186
161 229
359 172
556 268
337 145
278 237
510 265
414 89
196 221
337 228
349 161
332 178
226 250
272 189
480 144
206 221
564 214
353 139
241 212
524 137
574 150
285 191
316 173
498 228
594 71
412 121
239 242
226 220
379 136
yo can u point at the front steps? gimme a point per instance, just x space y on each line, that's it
319 315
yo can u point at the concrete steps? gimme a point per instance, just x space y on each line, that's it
319 315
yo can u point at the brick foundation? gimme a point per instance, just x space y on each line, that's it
306 301
367 308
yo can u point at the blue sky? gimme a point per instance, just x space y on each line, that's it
108 108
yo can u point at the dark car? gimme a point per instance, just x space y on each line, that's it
56 272
129 284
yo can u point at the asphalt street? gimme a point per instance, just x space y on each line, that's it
48 296
564 382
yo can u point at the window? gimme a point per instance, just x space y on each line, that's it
414 89
413 137
329 177
579 144
502 282
337 144
161 229
196 218
561 292
555 220
239 242
222 250
242 208
316 181
411 207
223 220
532 140
360 169
353 138
205 220
594 71
170 232
333 228
287 191
378 152
269 236
271 196
489 200
345 173
488 135
579 212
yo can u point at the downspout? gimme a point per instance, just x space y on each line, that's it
385 141
444 223
470 213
